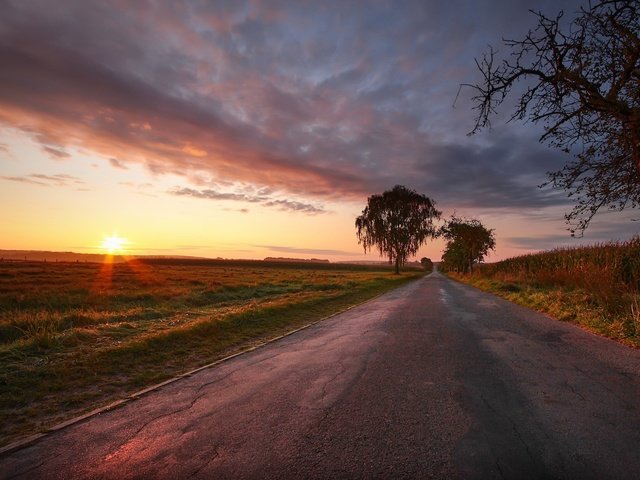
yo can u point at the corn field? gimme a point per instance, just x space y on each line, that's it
616 264
605 277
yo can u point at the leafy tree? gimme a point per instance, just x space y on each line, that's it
582 84
468 241
426 263
453 258
397 222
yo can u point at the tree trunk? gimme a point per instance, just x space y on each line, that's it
397 266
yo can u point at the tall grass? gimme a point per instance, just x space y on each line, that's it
602 279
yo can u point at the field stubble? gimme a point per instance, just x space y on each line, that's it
77 336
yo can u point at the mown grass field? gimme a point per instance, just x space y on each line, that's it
596 287
75 336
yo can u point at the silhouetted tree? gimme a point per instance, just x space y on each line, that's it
468 241
397 222
453 257
426 263
582 83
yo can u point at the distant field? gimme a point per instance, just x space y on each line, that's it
597 287
77 335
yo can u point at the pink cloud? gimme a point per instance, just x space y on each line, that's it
314 104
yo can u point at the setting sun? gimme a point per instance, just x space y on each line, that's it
113 244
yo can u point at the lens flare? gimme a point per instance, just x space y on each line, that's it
113 244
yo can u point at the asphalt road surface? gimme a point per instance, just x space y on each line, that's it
433 380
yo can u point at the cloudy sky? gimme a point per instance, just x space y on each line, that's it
253 129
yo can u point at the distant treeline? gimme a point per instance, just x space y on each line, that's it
267 263
295 260
48 256
279 262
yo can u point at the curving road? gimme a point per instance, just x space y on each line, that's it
433 380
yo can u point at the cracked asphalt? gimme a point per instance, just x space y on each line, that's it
432 380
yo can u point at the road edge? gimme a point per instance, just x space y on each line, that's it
27 441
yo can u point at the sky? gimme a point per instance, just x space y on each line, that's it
247 129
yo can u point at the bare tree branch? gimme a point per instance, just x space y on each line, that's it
583 86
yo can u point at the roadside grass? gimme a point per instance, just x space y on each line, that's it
595 287
74 337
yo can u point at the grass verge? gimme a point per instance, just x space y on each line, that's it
570 304
55 370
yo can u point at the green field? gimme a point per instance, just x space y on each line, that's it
74 336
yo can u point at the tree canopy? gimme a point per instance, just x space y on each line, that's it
426 263
582 84
468 242
397 222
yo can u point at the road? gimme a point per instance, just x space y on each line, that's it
432 380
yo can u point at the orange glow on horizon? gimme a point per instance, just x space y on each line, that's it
114 245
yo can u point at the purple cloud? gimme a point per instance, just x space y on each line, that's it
281 204
56 153
323 101
58 180
117 164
